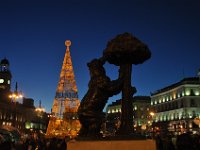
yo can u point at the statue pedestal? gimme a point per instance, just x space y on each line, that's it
112 145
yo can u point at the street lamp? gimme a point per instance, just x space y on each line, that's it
152 114
197 122
14 96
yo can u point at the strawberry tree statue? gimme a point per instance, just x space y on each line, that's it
125 50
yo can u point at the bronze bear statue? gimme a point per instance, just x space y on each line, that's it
100 89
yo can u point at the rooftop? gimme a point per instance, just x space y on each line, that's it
191 80
145 99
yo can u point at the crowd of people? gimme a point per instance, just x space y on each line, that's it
185 141
31 143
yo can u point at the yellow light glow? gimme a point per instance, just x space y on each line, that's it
163 99
152 113
40 109
187 92
174 95
197 93
179 95
15 96
1 80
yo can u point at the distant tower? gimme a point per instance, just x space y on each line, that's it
64 111
5 79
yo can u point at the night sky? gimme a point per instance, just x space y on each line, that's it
33 33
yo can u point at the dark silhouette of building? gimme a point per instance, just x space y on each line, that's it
22 116
5 80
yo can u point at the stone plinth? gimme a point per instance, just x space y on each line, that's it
112 145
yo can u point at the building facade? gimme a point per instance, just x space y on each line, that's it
176 106
5 79
14 114
141 114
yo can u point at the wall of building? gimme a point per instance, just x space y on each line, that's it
176 106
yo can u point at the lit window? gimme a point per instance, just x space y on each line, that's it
163 99
197 93
8 81
164 118
172 117
179 95
180 116
155 102
168 117
187 92
27 125
135 107
174 95
113 111
161 118
1 80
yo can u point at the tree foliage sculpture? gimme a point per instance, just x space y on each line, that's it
125 50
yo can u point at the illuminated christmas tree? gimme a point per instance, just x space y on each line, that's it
64 119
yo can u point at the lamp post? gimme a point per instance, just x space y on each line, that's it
14 96
152 114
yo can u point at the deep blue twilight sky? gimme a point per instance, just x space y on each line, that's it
33 32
